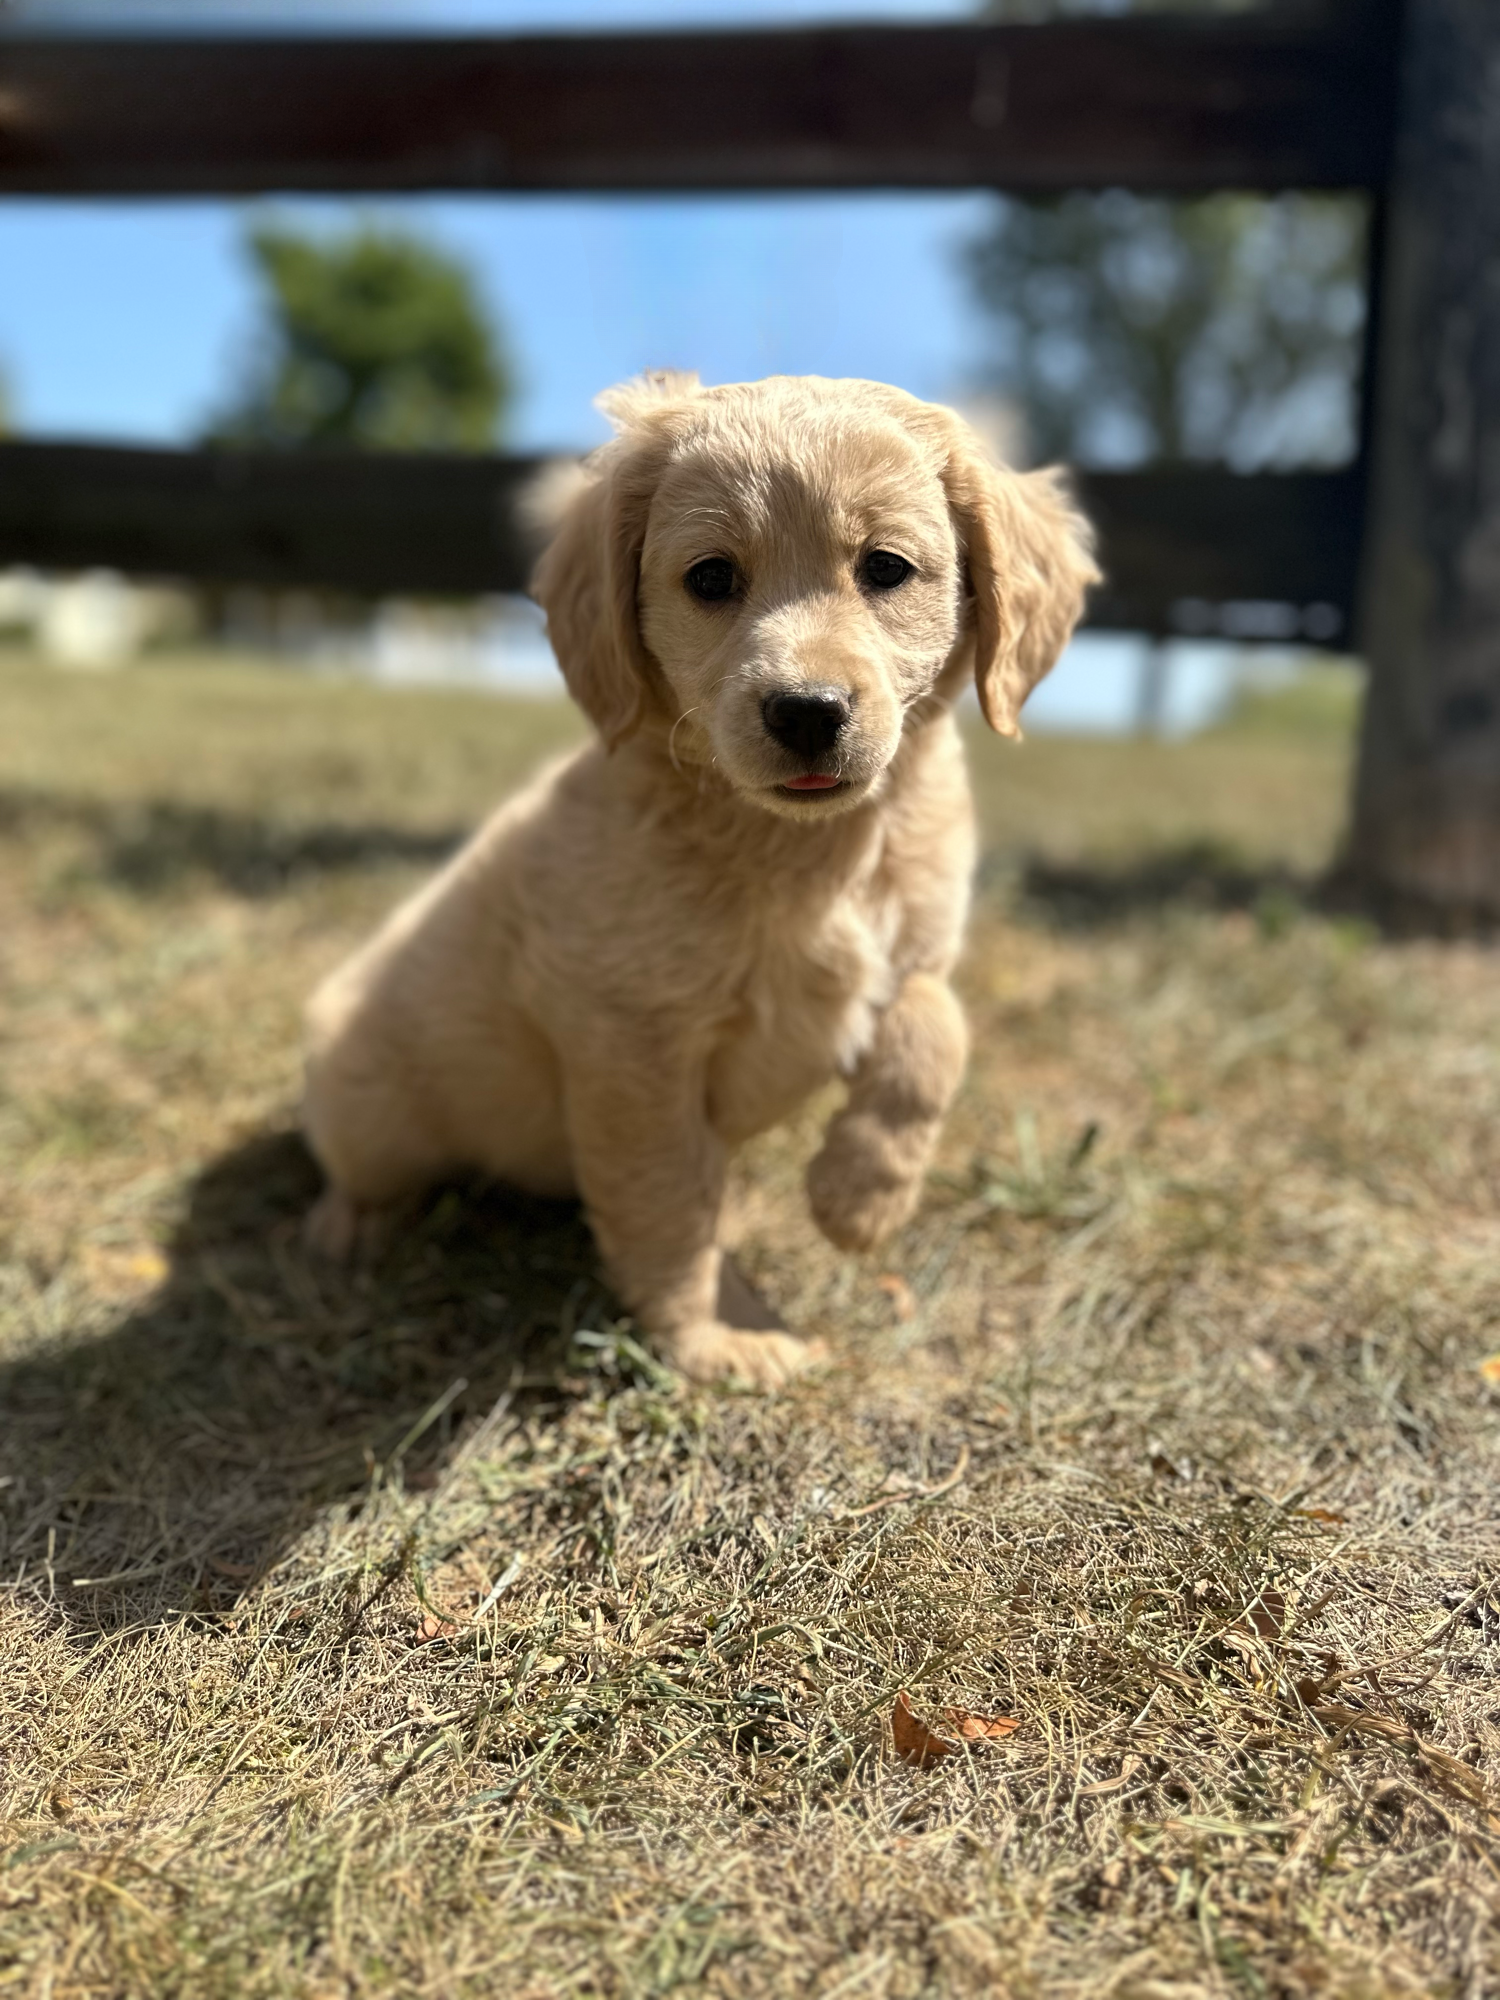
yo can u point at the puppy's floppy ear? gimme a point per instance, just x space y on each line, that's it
1030 561
587 577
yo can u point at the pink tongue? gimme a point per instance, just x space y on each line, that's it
811 783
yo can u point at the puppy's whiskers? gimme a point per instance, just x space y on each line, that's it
672 737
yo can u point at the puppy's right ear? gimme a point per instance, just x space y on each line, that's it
588 576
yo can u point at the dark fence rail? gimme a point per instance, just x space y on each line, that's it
1184 548
1288 98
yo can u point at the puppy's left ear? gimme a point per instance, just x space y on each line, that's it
1030 563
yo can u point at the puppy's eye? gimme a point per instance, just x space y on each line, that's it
712 580
882 570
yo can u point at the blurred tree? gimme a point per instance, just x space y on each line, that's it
370 338
1134 327
1225 327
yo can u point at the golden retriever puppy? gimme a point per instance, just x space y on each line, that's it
766 597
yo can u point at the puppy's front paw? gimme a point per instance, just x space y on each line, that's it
709 1351
862 1185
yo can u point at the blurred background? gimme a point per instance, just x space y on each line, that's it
400 1630
1110 330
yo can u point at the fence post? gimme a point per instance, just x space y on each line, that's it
1426 834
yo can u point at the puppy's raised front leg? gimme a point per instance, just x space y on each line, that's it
651 1172
865 1180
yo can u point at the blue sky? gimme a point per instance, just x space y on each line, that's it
125 320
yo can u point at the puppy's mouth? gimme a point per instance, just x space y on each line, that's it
812 781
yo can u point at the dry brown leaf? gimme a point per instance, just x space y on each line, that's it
1268 1617
1311 1690
1489 1368
432 1627
903 1299
982 1728
915 1742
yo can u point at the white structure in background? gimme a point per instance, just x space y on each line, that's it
94 621
496 642
99 620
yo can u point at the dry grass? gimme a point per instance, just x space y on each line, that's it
1172 1443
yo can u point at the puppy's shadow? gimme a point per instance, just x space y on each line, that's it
1195 875
156 1465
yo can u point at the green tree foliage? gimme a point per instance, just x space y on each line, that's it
371 338
1226 327
1130 328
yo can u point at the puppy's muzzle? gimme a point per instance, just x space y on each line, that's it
808 722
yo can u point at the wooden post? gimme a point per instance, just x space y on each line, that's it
1425 842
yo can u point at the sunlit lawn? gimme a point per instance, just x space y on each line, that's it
1161 1429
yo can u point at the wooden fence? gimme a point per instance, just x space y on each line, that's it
1185 104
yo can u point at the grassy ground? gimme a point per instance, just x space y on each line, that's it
413 1633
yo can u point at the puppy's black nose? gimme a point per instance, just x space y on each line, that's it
807 722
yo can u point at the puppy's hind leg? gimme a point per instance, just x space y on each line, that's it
372 1146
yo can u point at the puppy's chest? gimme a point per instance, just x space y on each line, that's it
808 1002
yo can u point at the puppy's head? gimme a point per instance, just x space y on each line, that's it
780 573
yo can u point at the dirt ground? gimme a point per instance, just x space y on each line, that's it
414 1633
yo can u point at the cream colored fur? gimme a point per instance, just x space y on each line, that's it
654 952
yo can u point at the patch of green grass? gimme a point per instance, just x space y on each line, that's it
1317 703
412 1630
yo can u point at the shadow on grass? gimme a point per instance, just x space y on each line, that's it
1204 876
163 1465
1196 876
155 844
